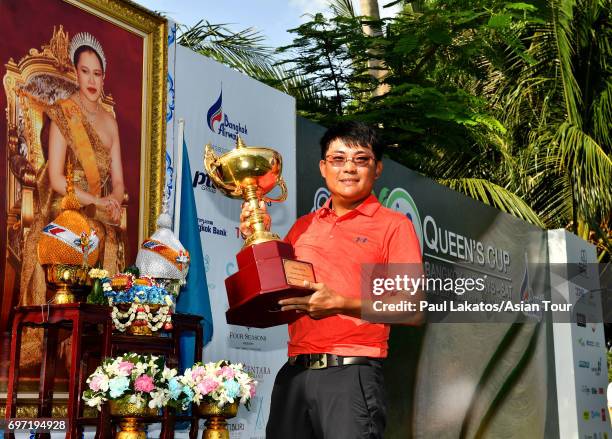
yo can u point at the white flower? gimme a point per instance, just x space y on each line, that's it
152 366
139 369
167 373
112 369
159 398
97 273
96 401
102 381
137 399
187 378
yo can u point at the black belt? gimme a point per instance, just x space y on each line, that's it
321 361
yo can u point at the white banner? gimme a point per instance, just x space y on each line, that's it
217 104
580 347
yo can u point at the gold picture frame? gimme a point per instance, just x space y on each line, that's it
37 34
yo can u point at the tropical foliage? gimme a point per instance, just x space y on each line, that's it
245 51
508 102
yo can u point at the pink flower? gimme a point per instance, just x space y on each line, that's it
96 383
226 372
125 367
198 372
252 390
207 386
144 383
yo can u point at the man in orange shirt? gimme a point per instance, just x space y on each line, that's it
332 384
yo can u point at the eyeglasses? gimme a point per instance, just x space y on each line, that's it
338 161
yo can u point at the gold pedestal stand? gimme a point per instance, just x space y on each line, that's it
216 419
131 426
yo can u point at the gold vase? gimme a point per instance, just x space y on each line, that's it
216 424
69 283
130 423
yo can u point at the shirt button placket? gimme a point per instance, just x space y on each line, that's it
331 231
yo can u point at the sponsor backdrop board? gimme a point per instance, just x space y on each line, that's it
465 379
582 377
217 104
478 377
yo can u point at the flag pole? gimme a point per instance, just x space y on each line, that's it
179 176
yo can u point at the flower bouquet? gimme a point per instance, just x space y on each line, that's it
134 386
139 305
97 294
216 389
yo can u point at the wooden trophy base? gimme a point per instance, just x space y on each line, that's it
267 273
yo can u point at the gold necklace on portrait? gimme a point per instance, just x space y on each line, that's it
90 115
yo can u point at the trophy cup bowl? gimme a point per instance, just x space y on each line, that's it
249 173
267 269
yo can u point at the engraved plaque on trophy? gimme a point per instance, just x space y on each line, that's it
267 268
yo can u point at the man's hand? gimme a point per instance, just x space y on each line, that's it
323 302
245 226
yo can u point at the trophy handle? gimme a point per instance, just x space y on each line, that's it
211 165
282 196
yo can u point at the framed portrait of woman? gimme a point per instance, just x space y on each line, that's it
83 82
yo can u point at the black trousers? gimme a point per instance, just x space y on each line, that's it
345 402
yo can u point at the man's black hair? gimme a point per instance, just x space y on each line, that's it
80 50
353 134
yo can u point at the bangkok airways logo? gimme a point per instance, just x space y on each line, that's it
220 123
215 112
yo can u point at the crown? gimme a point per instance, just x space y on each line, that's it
87 39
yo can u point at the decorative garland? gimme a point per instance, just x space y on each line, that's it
116 315
141 294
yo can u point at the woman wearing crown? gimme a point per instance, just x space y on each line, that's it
81 132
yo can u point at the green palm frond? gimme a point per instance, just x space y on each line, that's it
496 196
602 109
293 84
242 50
342 8
551 196
562 20
578 154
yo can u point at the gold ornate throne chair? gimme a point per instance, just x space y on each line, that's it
39 79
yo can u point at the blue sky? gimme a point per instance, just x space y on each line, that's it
271 17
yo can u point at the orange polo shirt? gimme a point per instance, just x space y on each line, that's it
337 247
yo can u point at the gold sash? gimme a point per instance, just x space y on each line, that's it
81 145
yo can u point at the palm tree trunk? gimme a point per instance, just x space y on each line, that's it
369 8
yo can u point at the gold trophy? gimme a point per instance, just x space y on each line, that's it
267 268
